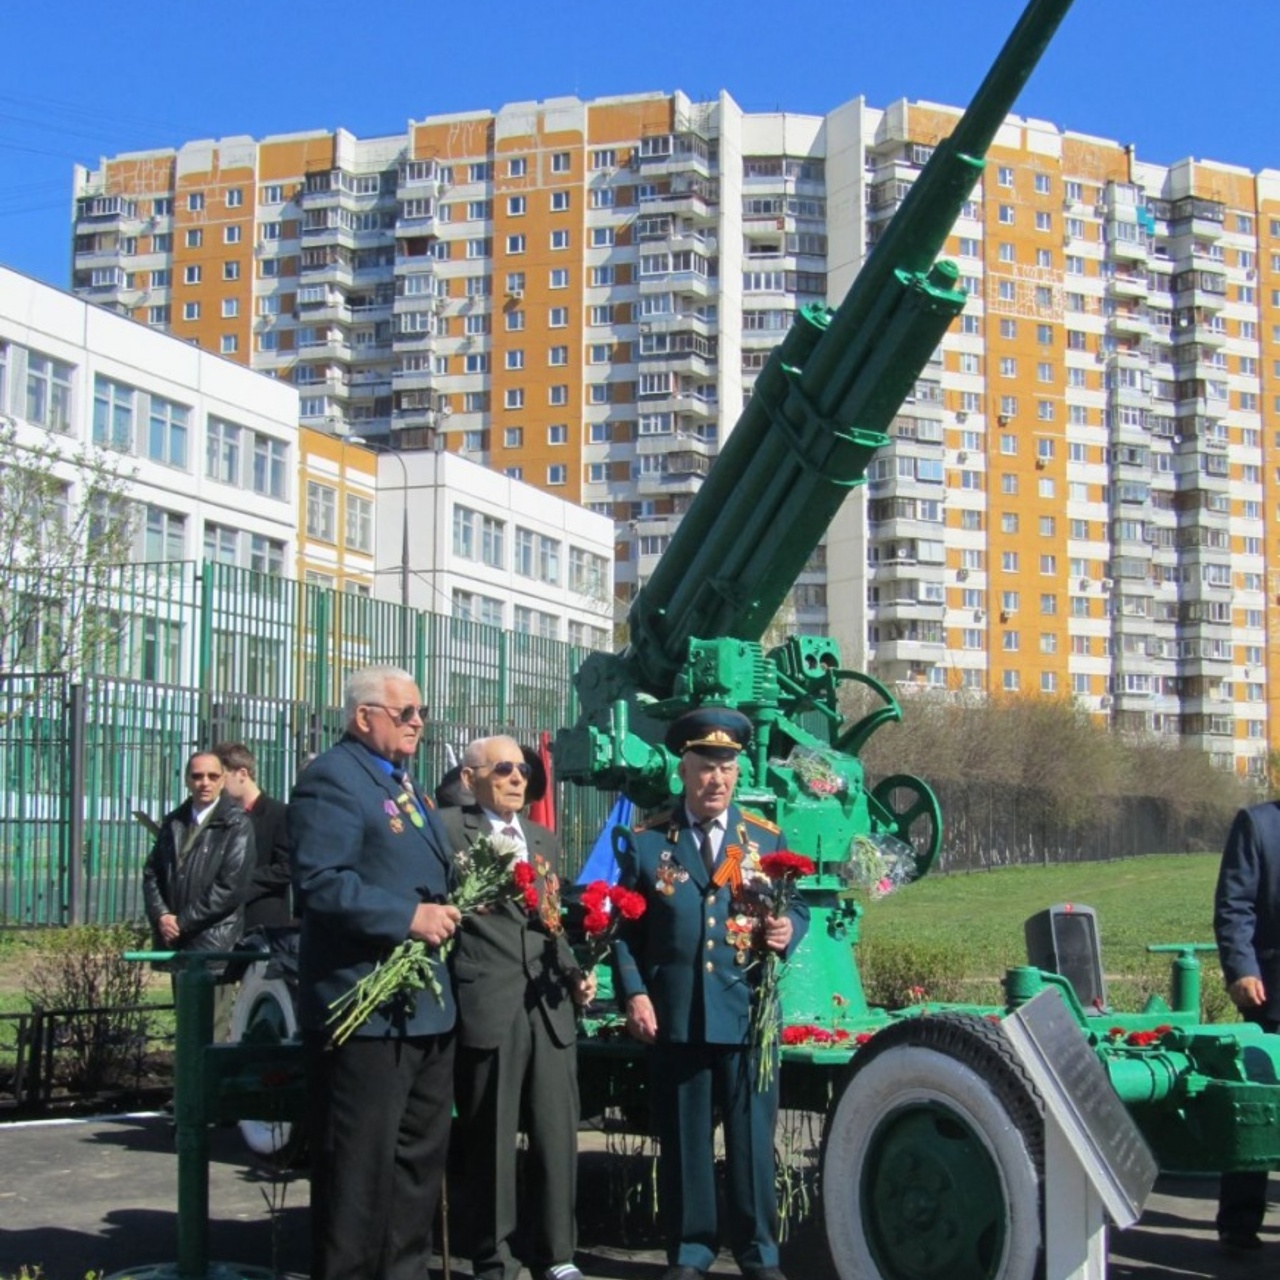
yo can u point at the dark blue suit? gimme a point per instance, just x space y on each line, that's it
381 1102
1246 924
681 953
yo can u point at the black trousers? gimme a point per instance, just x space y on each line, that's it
380 1114
527 1082
1242 1197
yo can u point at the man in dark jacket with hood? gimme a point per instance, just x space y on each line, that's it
195 877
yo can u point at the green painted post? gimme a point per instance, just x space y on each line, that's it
1184 980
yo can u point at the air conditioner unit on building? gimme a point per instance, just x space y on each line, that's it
1084 584
1107 584
1003 419
961 416
978 615
962 575
1105 700
516 294
962 456
1004 615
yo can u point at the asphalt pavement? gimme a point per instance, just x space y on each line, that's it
100 1195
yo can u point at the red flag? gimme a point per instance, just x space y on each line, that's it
543 809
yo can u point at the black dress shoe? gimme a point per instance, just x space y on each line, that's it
682 1273
763 1273
1240 1241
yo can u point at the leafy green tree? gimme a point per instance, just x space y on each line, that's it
64 523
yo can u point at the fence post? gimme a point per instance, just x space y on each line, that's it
74 796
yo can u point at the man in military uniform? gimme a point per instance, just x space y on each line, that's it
685 971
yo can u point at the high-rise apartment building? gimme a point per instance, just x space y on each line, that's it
581 294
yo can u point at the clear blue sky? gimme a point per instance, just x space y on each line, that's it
83 80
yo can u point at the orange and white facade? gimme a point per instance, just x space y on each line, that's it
580 296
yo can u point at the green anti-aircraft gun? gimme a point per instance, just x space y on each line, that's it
933 1155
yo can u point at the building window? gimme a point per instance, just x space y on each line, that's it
558 356
493 535
48 392
559 201
517 206
113 414
221 544
464 531
191 275
560 239
191 311
515 244
269 469
222 451
231 235
558 278
266 555
195 201
558 433
558 394
322 512
229 344
557 473
558 317
194 238
231 271
513 398
167 432
359 523
163 535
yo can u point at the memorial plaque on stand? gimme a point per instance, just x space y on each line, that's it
1077 1093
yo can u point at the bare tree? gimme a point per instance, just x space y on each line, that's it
64 522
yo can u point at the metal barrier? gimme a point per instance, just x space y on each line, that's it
206 653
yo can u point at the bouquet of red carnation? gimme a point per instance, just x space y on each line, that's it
770 894
606 907
489 873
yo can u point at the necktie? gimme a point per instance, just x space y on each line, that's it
707 849
511 832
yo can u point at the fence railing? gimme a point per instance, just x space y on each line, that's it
209 653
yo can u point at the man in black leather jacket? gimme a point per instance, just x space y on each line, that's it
196 874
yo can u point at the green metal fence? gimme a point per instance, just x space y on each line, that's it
207 653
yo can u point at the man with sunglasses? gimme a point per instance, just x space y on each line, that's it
518 988
195 877
371 868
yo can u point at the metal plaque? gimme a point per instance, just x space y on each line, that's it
1077 1091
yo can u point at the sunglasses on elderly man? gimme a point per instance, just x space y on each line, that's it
402 715
505 768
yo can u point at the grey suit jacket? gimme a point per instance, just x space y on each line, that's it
1246 909
506 958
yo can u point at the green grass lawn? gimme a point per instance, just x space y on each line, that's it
973 922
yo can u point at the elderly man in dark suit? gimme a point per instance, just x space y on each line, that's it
517 984
1246 924
371 868
688 982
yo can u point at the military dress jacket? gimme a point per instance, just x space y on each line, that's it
364 857
508 957
690 950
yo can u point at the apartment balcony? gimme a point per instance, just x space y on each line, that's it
1128 250
692 283
1128 286
372 312
690 196
682 322
413 379
333 308
1130 321
666 483
677 160
415 341
908 652
335 271
331 348
1203 290
907 612
689 363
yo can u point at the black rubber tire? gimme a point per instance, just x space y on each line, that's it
932 1159
264 1013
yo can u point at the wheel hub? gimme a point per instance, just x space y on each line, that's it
937 1207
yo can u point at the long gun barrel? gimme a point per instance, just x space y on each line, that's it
823 401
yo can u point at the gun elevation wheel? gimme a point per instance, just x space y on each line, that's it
933 1158
915 810
263 1013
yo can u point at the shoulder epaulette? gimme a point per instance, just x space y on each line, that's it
756 820
654 820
